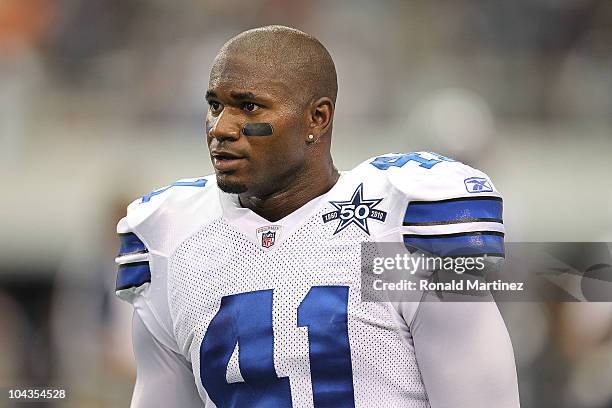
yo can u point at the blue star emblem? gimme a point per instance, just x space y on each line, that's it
356 211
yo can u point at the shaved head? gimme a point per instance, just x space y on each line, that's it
271 97
292 56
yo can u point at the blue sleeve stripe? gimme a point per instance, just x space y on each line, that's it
454 211
133 275
461 244
131 244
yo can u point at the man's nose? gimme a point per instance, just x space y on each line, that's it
224 127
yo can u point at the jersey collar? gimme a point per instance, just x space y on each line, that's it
266 234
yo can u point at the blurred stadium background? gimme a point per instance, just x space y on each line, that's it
101 101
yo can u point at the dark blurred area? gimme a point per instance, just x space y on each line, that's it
102 101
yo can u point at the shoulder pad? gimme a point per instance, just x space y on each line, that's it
149 230
153 226
451 208
431 176
144 206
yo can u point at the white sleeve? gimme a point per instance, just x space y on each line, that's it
465 356
163 378
141 279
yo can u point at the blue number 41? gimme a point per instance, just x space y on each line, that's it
398 160
246 319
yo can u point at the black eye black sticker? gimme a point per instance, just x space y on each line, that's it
257 129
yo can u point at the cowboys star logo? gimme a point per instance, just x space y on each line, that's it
356 211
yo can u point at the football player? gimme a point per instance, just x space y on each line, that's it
246 283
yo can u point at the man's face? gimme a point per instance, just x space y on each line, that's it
241 91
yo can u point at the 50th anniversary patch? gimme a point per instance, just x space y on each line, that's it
356 211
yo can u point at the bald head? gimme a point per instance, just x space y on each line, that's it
284 81
288 55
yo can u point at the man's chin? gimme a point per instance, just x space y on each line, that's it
230 186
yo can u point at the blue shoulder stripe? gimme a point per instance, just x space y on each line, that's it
454 211
133 275
131 244
461 244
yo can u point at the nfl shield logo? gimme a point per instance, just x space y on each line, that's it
267 235
267 239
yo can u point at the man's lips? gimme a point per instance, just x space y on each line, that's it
225 161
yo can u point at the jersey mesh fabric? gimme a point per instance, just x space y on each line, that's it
219 260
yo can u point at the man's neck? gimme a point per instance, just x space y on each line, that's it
283 202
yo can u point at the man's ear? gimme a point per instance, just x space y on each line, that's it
320 116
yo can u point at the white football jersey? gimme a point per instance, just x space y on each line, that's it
270 314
